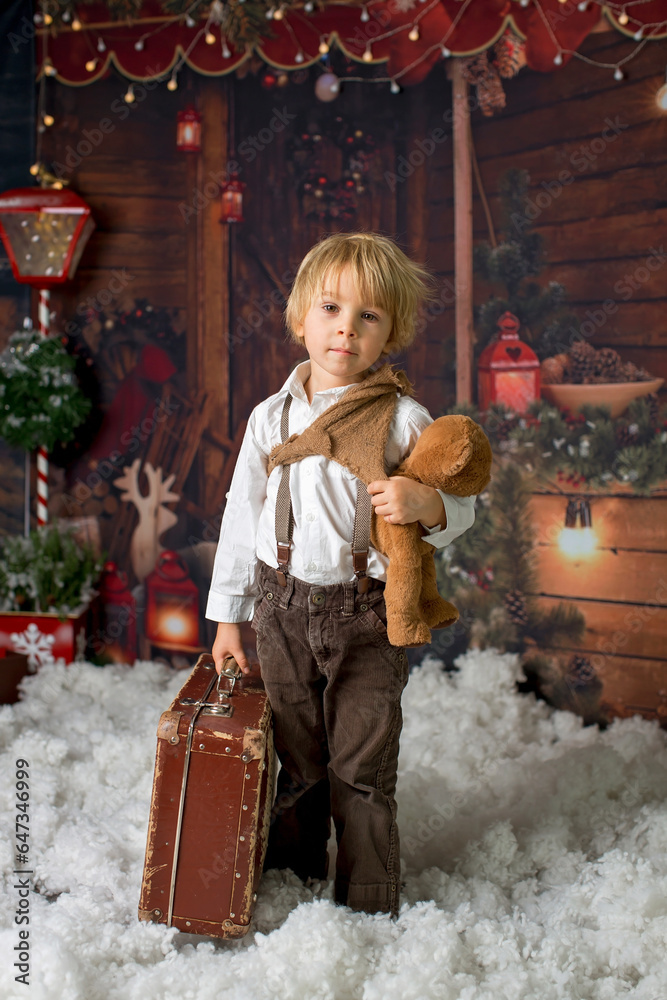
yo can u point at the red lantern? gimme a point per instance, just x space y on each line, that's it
172 605
188 130
118 638
44 231
508 370
232 199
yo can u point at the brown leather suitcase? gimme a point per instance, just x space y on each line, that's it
212 793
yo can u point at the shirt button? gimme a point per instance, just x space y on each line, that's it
311 567
310 517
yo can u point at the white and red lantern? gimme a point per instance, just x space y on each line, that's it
172 605
232 199
508 370
188 130
44 231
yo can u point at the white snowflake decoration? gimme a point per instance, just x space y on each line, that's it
37 646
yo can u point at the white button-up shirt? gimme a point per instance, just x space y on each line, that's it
323 502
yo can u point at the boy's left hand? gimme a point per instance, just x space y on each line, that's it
401 501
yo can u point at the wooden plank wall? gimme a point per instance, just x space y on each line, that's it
620 588
133 180
599 227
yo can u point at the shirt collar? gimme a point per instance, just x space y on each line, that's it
297 379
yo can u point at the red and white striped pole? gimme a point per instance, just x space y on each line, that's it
42 454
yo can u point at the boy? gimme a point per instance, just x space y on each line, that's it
333 680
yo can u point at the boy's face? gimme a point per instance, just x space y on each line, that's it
343 335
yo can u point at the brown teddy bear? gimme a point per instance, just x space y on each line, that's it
452 454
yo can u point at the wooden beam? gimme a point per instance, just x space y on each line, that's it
462 233
209 362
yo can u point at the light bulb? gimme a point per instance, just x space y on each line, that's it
308 7
324 48
91 64
76 24
623 17
394 88
583 5
226 54
278 16
269 14
48 19
445 52
190 22
34 170
365 16
558 59
618 73
49 68
368 55
48 120
298 57
129 96
414 34
638 35
172 84
139 44
661 97
101 47
210 38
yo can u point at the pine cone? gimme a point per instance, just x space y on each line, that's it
625 437
510 54
515 603
608 365
580 674
631 373
478 71
583 361
552 371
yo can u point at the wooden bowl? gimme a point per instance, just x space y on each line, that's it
616 395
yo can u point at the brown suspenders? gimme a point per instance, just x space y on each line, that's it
361 533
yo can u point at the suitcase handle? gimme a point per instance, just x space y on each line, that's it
231 671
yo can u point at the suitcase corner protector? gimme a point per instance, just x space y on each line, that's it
153 915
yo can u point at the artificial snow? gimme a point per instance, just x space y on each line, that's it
534 853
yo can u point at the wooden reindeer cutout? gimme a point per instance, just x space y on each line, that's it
154 518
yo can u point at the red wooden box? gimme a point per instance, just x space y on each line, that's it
44 637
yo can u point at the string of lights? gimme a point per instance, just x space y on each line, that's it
621 15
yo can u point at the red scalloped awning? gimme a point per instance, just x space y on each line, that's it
548 27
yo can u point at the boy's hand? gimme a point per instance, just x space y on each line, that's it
228 643
401 501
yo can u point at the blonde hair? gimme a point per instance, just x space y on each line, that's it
383 276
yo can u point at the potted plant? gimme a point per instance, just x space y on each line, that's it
46 587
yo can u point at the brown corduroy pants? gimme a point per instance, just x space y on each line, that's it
335 683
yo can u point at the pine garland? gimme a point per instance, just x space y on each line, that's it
490 572
582 449
47 572
242 22
40 400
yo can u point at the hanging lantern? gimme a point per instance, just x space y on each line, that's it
118 639
232 199
508 370
44 231
172 604
188 130
577 538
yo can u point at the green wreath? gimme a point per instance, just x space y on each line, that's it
40 400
